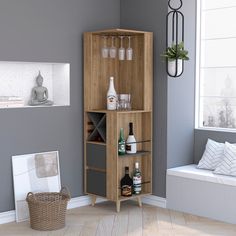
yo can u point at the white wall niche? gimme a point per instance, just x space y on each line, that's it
18 78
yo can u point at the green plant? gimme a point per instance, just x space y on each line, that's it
173 52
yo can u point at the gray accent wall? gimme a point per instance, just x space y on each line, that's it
150 16
48 31
181 102
173 98
51 31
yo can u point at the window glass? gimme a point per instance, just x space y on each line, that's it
217 64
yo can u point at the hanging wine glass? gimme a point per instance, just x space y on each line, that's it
129 51
121 50
112 50
105 49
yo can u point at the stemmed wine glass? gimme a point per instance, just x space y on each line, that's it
129 51
121 50
112 50
105 49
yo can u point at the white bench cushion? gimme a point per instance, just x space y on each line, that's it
192 172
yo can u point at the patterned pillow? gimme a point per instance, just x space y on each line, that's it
228 164
212 155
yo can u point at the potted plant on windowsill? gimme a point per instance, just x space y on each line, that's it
175 56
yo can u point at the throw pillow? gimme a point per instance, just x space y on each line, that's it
212 155
228 164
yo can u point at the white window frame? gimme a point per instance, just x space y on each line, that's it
197 76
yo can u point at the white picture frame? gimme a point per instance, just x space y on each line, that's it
37 172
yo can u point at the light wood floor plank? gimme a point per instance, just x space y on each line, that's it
164 219
120 227
135 224
150 224
103 220
105 226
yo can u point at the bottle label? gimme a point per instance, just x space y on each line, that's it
131 148
111 102
137 184
128 147
121 148
126 190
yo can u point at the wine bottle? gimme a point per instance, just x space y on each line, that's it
126 184
137 179
111 96
121 143
131 145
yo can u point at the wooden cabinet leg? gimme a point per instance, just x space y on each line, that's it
139 201
118 206
93 200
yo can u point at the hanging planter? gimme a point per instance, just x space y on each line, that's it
175 56
175 53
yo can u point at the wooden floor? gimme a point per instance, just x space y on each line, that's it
102 220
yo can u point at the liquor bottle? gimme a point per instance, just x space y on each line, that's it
137 179
121 143
111 96
126 184
131 145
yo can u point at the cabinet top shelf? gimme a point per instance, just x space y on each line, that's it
119 32
117 111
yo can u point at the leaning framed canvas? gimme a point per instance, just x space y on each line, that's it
38 172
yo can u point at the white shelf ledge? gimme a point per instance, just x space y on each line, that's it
18 78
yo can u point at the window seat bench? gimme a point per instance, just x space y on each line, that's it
200 192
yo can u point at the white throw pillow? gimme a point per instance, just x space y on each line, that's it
228 164
212 155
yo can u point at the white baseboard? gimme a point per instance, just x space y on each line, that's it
154 201
82 201
9 216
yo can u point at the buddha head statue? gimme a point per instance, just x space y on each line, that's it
39 79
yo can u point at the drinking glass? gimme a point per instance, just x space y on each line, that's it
112 50
118 105
129 51
129 102
121 50
124 102
105 49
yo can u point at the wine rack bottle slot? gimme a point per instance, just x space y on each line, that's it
97 127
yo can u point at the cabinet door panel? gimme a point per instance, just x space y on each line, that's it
96 156
96 182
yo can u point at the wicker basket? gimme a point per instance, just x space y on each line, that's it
48 210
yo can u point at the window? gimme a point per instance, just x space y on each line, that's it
216 64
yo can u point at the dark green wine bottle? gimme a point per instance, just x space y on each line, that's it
121 143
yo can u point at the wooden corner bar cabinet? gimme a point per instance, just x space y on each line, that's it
104 168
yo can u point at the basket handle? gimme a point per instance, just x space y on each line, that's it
30 194
64 190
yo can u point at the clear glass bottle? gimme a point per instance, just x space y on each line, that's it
137 179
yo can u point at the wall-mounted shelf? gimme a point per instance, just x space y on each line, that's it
18 78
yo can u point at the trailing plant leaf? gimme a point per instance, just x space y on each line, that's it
176 52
